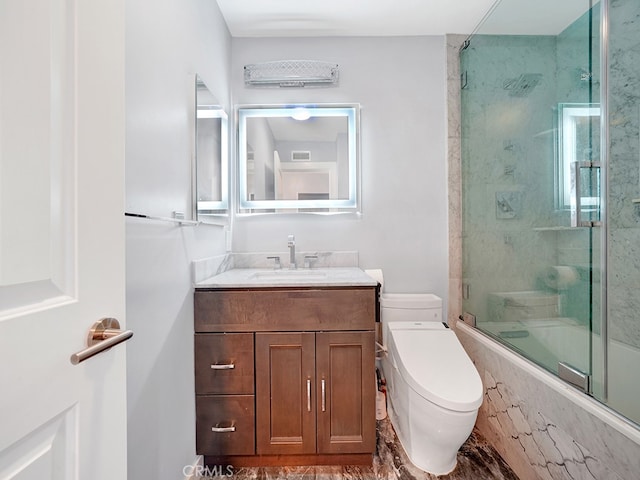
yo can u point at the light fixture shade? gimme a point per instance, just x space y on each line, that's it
291 73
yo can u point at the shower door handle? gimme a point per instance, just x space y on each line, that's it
576 195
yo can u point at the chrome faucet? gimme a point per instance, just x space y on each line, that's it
291 243
308 259
276 265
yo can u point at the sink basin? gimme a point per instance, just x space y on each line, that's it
289 275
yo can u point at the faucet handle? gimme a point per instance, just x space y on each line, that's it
307 260
276 265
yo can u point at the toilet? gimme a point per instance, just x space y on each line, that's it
433 389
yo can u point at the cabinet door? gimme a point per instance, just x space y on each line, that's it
285 396
345 379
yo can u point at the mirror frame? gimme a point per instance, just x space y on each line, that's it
211 210
350 204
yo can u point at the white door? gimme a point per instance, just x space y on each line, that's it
61 238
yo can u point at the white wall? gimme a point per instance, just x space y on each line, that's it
167 43
400 84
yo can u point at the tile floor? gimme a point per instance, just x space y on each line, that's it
477 460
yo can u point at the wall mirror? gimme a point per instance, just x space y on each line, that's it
578 156
298 158
211 176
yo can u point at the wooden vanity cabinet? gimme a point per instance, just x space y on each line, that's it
314 379
345 365
225 400
315 393
285 393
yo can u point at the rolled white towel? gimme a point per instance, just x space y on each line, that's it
560 277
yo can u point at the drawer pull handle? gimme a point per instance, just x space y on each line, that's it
308 394
227 366
324 395
218 429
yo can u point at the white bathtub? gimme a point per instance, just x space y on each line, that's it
545 341
550 341
524 402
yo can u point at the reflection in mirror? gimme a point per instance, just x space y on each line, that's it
211 157
298 158
578 142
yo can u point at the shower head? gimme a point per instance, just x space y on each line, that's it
523 85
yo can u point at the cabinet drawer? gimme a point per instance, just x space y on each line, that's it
285 309
225 425
224 363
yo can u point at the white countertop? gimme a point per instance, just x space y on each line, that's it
302 277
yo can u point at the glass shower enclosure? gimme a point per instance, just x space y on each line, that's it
549 179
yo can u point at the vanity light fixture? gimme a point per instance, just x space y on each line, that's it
291 73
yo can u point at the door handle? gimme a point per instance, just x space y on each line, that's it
103 335
576 194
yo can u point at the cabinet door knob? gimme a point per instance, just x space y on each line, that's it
308 394
324 395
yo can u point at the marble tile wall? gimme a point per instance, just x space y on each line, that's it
507 159
204 268
508 153
624 172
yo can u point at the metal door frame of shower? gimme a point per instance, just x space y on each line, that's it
604 172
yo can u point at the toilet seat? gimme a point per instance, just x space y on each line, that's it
429 356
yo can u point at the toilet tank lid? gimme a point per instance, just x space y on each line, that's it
410 300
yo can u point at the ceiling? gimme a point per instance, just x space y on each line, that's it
306 18
266 18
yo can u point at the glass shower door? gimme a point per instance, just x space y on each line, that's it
531 188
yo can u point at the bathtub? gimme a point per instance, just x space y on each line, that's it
545 341
543 427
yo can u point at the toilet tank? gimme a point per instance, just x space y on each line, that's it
409 307
524 305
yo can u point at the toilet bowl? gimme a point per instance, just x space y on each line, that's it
434 390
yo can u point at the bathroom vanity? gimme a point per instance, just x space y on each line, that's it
285 367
